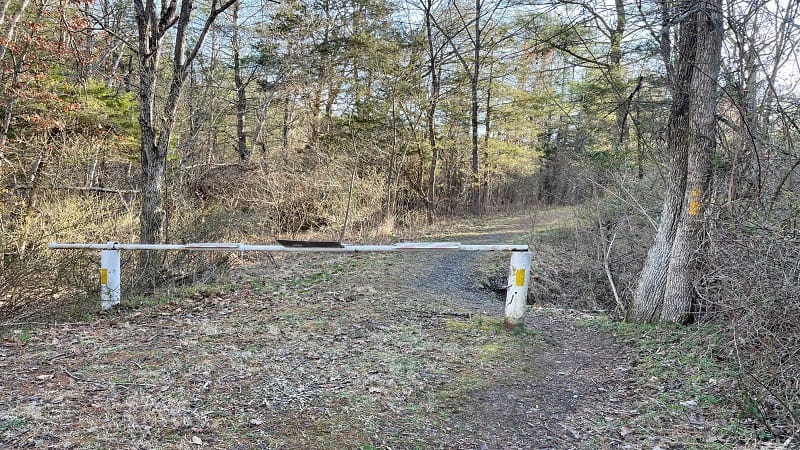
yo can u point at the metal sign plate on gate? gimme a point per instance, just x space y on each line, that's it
309 244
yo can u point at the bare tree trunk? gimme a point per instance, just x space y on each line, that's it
153 164
680 294
19 60
241 98
474 79
8 111
664 290
487 125
430 203
474 27
388 201
8 36
434 67
316 118
649 293
617 75
258 124
285 124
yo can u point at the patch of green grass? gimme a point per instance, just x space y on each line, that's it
174 294
477 323
273 286
12 423
310 279
254 347
172 437
150 301
521 331
406 365
21 335
382 447
316 272
680 369
205 290
315 324
453 396
490 351
258 286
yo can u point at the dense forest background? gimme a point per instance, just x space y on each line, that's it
242 120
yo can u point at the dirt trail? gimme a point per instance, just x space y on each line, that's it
566 389
351 351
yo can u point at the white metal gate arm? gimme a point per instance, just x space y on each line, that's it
234 247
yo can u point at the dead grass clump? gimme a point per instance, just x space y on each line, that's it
278 201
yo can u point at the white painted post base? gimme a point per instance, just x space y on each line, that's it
109 278
517 294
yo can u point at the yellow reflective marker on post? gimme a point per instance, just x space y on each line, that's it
519 277
109 277
517 293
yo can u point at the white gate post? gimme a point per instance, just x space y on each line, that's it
109 278
517 294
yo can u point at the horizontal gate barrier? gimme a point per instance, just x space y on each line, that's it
516 296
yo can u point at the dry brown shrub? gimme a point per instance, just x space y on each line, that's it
269 202
39 284
251 203
752 288
593 261
43 287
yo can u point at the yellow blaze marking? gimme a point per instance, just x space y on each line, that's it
694 207
519 277
695 193
103 276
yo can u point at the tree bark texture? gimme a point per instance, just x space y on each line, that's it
241 97
433 103
153 163
475 78
617 75
153 214
680 293
665 290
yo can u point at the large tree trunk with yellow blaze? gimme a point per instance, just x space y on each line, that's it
665 290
